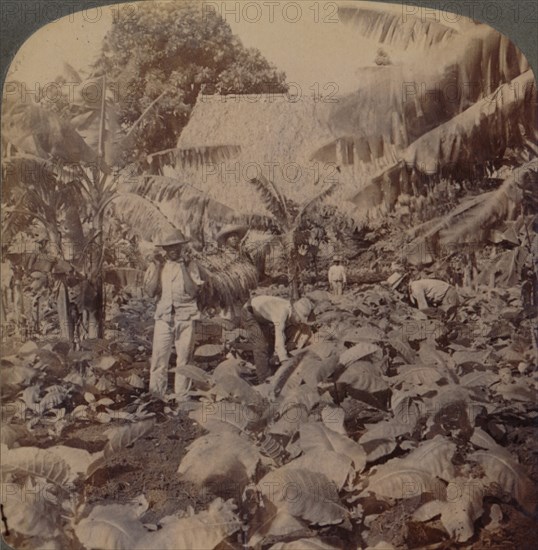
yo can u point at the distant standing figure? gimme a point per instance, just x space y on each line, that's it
177 284
337 276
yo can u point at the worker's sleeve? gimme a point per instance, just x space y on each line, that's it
344 278
281 318
194 272
331 275
417 292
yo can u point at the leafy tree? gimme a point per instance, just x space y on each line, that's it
179 49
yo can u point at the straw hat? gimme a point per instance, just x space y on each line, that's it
173 238
227 230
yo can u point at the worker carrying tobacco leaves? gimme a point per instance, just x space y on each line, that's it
428 293
274 324
176 282
229 239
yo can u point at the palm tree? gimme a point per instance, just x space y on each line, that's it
287 218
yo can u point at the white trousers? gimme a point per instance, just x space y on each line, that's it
337 288
164 336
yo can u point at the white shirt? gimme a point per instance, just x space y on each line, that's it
173 293
337 273
277 311
428 291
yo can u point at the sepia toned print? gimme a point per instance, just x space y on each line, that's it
269 279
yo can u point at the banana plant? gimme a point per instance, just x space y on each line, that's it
460 95
287 218
66 172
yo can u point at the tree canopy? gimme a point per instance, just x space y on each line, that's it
178 49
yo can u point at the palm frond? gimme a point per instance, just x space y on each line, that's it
483 212
28 168
214 210
419 96
97 119
258 243
259 222
390 24
314 201
482 132
144 216
188 207
156 188
228 281
272 199
196 156
34 130
382 190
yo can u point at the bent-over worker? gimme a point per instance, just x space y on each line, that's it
426 293
271 323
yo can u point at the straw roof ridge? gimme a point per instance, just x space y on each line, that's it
253 98
273 128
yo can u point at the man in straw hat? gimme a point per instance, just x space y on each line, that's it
337 276
229 240
271 323
230 236
176 284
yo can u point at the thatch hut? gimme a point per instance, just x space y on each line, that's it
273 134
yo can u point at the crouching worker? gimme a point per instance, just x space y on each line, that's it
272 323
429 293
176 283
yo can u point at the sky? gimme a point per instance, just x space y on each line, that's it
305 39
74 39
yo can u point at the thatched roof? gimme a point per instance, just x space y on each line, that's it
277 136
267 127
